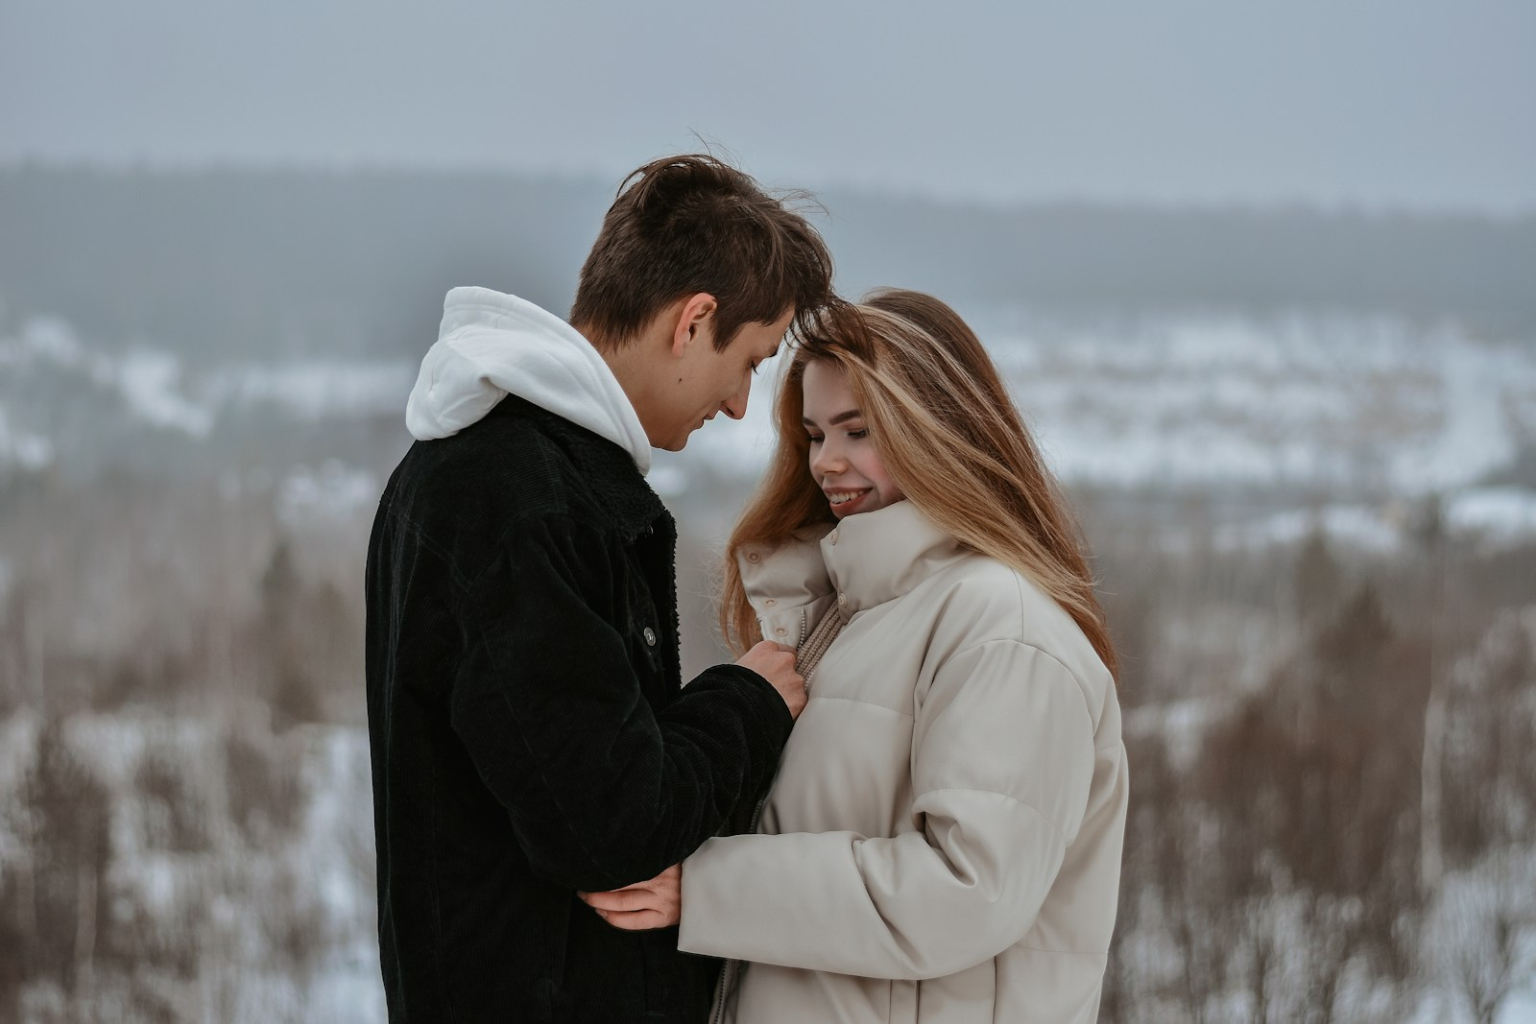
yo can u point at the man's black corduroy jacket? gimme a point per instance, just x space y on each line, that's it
530 736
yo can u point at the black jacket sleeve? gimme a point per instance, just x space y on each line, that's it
601 791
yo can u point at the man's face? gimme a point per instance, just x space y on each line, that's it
704 382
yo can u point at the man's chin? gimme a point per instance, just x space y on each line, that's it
672 443
676 441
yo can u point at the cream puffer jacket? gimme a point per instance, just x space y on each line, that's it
942 842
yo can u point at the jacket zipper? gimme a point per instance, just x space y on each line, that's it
726 978
732 967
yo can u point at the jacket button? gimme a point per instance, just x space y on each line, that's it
753 556
770 603
650 636
842 598
780 631
832 536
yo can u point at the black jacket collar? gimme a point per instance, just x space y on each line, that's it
605 467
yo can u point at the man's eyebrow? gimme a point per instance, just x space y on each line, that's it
842 417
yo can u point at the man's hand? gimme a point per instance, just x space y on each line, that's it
644 905
776 663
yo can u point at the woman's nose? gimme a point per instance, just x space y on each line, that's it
827 460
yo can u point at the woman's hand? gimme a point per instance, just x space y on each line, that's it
644 905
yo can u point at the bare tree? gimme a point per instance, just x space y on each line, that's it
1479 936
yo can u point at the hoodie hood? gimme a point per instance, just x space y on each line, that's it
491 345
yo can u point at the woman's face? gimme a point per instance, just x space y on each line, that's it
845 461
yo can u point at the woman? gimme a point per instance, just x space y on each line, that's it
942 842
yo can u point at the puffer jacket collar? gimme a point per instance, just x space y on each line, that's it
787 586
866 560
875 557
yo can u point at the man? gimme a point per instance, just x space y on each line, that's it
529 735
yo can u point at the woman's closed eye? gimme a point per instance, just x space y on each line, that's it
857 435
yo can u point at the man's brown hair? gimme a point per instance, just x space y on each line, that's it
688 224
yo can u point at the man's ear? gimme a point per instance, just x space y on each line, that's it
695 321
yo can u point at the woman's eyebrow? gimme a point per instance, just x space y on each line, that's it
842 417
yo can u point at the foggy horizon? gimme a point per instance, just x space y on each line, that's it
818 191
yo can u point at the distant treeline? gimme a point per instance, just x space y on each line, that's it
256 261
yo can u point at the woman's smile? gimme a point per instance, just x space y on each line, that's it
845 501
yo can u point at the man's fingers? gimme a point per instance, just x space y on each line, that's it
637 921
620 900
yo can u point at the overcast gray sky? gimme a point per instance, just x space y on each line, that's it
1420 103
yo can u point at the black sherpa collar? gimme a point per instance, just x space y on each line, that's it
605 467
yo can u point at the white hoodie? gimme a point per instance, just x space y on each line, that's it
491 345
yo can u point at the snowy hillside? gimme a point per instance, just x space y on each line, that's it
1176 400
1355 412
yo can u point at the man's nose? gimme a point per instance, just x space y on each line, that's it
736 406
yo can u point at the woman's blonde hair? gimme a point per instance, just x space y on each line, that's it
951 439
